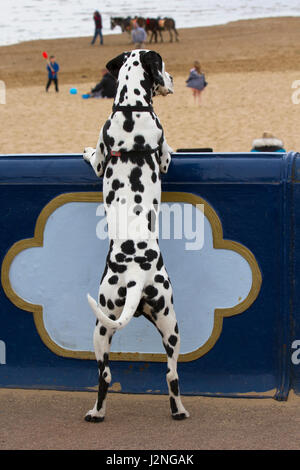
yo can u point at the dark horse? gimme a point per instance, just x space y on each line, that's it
157 25
126 24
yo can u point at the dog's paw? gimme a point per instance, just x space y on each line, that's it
92 417
180 416
164 165
88 153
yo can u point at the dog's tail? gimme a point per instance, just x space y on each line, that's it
133 298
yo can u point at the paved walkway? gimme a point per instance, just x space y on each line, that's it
34 419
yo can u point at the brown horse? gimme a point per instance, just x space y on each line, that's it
126 24
157 25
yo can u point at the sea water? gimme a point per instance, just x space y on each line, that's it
24 20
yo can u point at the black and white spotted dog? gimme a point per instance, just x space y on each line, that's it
131 152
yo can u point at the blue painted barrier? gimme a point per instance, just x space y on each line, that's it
236 298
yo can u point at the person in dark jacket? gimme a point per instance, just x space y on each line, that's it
52 68
98 27
106 88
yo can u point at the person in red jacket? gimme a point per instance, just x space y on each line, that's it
98 27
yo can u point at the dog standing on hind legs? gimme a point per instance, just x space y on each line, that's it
131 153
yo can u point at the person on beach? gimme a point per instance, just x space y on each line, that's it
106 88
52 68
138 35
267 143
98 28
196 81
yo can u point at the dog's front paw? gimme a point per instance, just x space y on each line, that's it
180 416
88 153
164 164
93 417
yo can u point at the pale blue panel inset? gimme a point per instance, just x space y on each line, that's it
70 264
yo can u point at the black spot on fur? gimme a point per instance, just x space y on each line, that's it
122 291
140 259
116 184
117 268
139 142
160 304
166 284
166 312
134 178
131 284
138 198
172 340
159 278
102 300
120 257
176 328
121 143
109 172
151 292
120 302
151 255
128 124
113 280
137 91
110 197
160 263
110 304
103 330
122 93
174 387
146 266
128 247
154 177
173 405
169 350
142 245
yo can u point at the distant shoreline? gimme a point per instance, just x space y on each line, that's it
266 44
111 33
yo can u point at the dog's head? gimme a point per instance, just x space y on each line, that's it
151 63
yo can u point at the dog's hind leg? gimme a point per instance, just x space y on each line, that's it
165 322
102 341
168 327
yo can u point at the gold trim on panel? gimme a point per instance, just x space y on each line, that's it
218 242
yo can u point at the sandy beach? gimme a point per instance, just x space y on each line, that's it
250 67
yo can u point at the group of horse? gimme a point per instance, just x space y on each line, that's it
152 26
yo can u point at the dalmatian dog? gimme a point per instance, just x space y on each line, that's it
131 154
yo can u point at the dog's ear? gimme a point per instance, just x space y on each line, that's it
114 65
152 63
